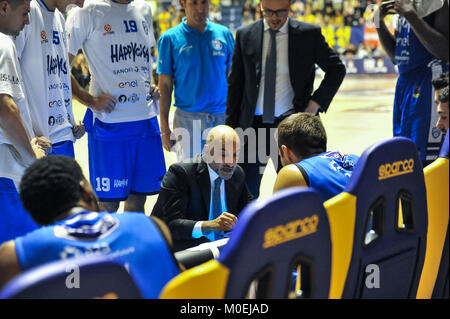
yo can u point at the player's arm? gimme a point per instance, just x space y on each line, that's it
9 264
14 129
103 103
434 38
165 83
289 176
387 39
166 234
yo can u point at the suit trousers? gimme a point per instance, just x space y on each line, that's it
258 151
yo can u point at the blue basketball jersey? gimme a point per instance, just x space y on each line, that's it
130 238
409 51
328 173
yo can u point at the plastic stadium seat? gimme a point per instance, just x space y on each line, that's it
379 225
77 278
435 275
273 241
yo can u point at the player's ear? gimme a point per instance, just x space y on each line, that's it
3 7
87 194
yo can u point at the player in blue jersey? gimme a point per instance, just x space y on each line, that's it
420 49
58 197
302 143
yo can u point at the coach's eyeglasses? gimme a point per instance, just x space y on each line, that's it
279 13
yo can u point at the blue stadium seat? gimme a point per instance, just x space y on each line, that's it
379 225
273 241
96 277
435 275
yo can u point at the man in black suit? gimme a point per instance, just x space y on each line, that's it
200 200
272 76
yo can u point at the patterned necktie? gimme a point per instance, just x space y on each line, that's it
216 204
270 79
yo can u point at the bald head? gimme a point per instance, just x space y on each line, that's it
221 133
221 151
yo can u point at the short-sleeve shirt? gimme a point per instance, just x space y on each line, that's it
198 63
11 84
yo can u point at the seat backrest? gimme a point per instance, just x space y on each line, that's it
275 236
75 278
385 209
435 274
275 240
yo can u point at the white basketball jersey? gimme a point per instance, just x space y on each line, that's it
43 56
117 39
11 84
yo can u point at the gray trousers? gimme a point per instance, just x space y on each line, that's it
191 130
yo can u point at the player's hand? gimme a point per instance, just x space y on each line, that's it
104 103
43 143
78 130
154 92
312 107
405 8
38 151
386 8
166 140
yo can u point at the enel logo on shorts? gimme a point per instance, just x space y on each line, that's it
127 84
394 169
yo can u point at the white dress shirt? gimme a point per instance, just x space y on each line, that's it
197 231
284 94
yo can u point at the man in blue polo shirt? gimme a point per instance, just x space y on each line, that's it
193 59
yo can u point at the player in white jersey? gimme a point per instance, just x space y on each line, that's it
18 147
126 160
43 55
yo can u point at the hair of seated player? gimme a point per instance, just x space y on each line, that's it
440 82
50 187
304 134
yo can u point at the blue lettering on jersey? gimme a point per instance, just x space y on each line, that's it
126 52
56 65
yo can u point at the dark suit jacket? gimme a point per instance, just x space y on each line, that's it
306 47
185 195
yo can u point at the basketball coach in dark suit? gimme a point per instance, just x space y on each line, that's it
272 76
200 200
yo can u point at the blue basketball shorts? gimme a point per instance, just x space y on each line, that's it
63 148
14 219
415 112
125 158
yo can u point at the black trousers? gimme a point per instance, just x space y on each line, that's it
258 151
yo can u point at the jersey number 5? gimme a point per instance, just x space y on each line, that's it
56 37
130 26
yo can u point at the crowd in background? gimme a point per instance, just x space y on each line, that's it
346 24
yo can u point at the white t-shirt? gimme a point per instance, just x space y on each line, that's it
116 39
43 55
11 84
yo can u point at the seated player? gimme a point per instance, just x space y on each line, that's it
302 143
57 195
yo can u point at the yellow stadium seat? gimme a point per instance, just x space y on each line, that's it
434 279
